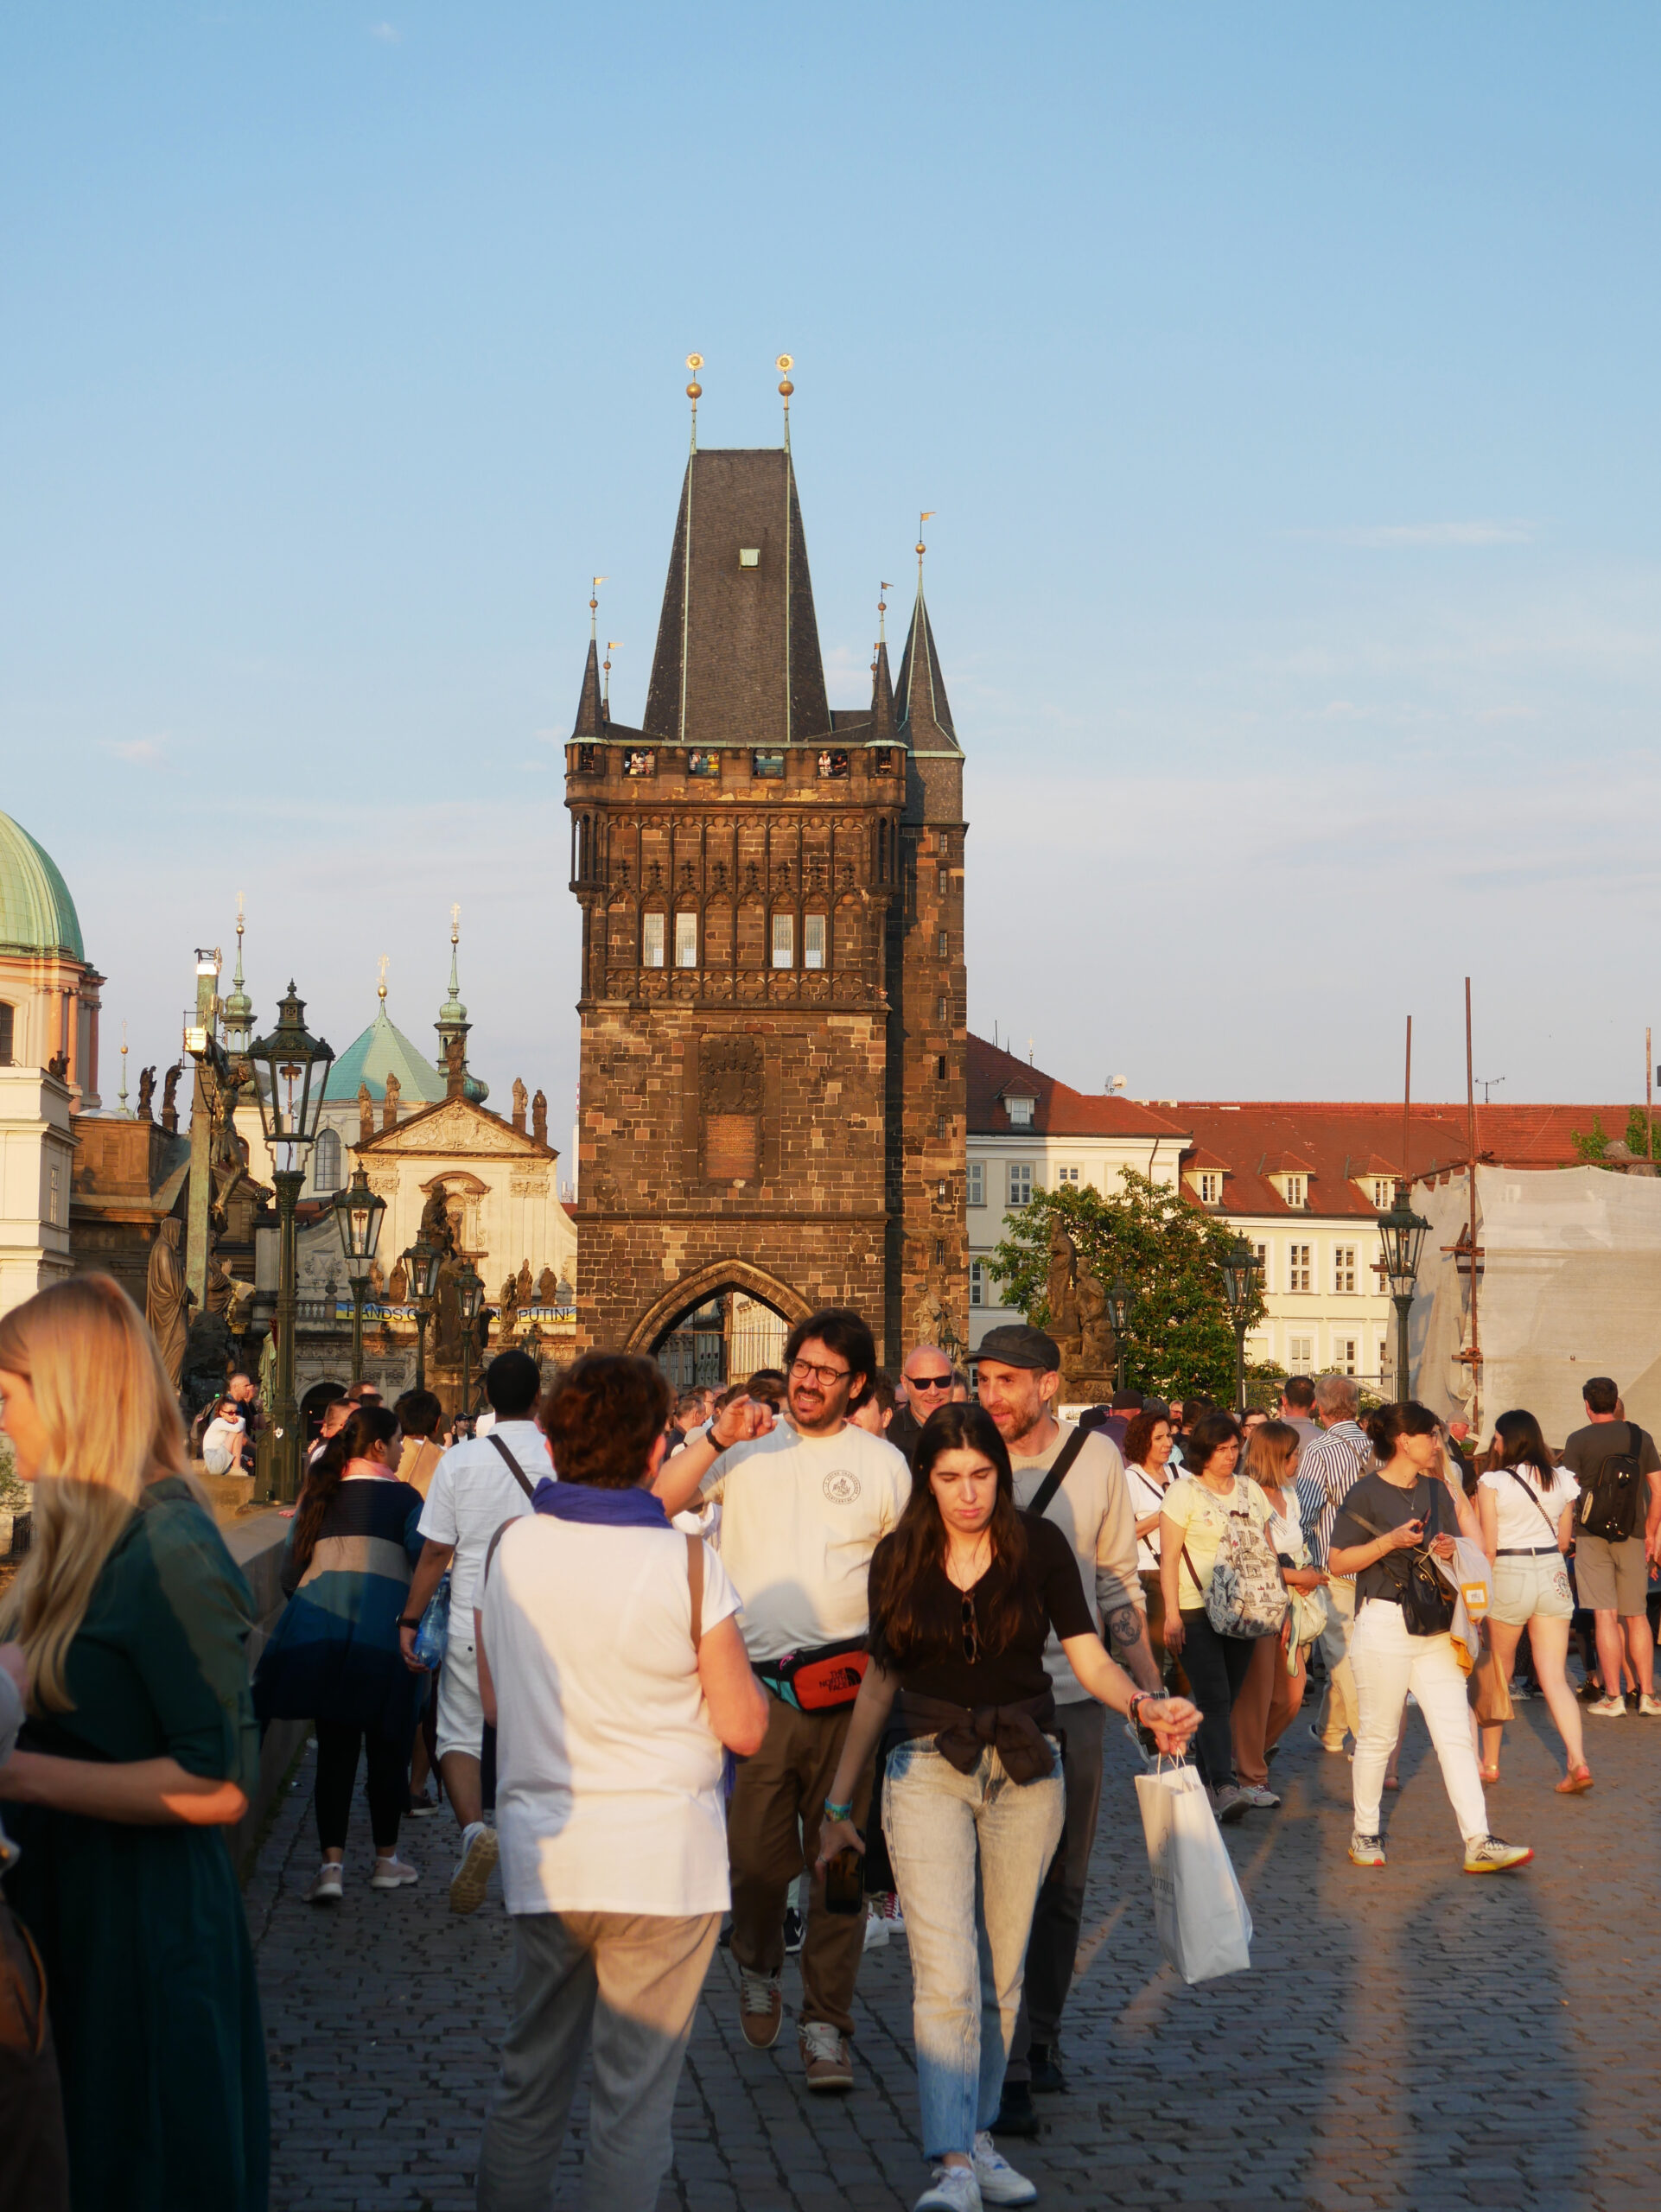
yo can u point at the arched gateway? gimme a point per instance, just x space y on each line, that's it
719 1326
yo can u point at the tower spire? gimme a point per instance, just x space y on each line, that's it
238 1008
452 1023
925 712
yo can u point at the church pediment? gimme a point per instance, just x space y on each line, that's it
454 1129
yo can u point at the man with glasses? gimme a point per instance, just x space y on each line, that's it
804 1502
928 1378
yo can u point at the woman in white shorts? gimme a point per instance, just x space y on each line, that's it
1527 1509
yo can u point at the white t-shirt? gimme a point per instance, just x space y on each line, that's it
472 1493
800 1516
223 1435
1285 1530
1522 1524
1147 1495
608 1772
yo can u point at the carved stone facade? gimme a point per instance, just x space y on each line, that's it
773 998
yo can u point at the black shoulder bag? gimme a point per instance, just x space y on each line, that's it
1427 1595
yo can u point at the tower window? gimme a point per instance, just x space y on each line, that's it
686 940
945 944
942 878
939 1251
943 1125
637 761
652 941
813 941
326 1162
942 1009
784 940
585 760
8 1035
767 764
939 1067
883 760
833 763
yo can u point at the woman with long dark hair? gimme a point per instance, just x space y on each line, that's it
1526 1506
333 1658
963 1595
1408 1508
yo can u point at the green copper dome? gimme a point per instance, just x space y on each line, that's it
384 1050
37 912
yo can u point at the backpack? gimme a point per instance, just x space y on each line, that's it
1612 1505
1246 1596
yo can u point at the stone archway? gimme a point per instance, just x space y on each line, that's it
694 1290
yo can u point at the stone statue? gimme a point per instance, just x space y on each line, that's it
521 1094
1095 1329
509 1303
928 1317
377 1282
170 1101
366 1114
447 1315
455 1068
539 1118
522 1286
221 1287
564 1292
436 1224
547 1288
1058 1294
165 1296
397 1290
146 1092
389 1104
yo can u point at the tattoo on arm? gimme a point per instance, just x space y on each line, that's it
1124 1627
1127 1640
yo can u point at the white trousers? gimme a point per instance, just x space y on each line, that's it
1388 1663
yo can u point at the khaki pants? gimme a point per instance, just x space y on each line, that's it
1340 1707
773 1833
1265 1706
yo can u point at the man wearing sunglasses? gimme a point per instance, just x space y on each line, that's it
804 1502
927 1375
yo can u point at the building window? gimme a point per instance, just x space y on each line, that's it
768 764
942 1012
1069 1176
652 940
703 764
1383 1355
55 1196
942 878
977 1183
977 1282
1345 1355
833 764
1297 1269
942 1127
1021 1182
1299 1355
945 944
813 940
686 940
1019 1110
784 940
326 1162
1343 1273
1380 1193
1294 1190
1211 1188
1260 1252
637 761
585 760
883 760
939 1251
939 1067
7 1037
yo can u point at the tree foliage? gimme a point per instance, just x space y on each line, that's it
1591 1145
1177 1336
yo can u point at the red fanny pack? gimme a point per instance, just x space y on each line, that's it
819 1681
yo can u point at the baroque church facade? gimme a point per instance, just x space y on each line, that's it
772 1091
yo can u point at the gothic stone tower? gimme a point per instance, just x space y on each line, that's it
773 1087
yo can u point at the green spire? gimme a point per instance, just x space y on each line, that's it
238 1013
453 1020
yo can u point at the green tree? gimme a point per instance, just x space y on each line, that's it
1177 1336
1592 1144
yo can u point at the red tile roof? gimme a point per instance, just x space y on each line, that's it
1059 1111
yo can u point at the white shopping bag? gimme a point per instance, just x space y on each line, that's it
1205 1929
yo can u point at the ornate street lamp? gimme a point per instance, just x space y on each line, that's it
470 1295
1401 1232
1117 1296
422 1261
357 1214
1238 1266
291 1071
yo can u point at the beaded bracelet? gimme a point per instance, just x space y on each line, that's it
839 1812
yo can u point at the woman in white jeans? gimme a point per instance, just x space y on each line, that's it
964 1595
1404 1508
1527 1509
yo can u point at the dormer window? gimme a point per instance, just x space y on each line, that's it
750 557
1211 1187
1019 1107
1296 1190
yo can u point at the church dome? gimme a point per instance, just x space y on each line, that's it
37 912
384 1050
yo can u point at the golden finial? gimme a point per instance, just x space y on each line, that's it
927 515
612 644
455 925
785 365
383 978
594 605
695 392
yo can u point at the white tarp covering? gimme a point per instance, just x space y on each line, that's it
1570 1288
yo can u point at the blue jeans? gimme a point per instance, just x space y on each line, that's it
970 1852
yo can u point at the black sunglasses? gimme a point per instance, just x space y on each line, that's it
929 1381
971 1642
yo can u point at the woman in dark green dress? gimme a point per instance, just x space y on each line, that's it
140 1746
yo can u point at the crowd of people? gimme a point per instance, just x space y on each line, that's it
828 1652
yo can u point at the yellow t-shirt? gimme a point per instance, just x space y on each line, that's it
1202 1516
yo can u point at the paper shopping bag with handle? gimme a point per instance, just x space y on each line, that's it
1205 1929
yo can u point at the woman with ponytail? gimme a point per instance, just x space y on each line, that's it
126 1631
334 1657
1408 1507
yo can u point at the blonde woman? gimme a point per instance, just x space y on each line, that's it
130 1622
1268 1701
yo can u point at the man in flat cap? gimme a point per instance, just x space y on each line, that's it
1019 1372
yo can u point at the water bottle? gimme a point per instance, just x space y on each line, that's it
434 1633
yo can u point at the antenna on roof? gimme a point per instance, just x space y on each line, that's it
695 392
1029 1051
785 365
612 644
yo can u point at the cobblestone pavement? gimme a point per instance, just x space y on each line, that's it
1408 2037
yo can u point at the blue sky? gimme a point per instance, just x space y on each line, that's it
1283 378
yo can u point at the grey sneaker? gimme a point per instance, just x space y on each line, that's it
1229 1803
1367 1850
1488 1854
999 2182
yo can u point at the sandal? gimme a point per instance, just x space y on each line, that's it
1392 1781
1488 1773
1576 1779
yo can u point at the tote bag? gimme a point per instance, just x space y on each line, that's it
1205 1927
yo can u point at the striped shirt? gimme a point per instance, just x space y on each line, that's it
1327 1472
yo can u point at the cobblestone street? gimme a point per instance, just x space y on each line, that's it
1411 2037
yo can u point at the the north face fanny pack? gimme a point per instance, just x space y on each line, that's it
819 1681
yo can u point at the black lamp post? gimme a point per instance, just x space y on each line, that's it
422 1260
290 1069
1401 1232
358 1215
1239 1271
470 1295
1119 1299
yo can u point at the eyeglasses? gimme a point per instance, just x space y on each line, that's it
802 1370
971 1642
929 1381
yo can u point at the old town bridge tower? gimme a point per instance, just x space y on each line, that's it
771 1113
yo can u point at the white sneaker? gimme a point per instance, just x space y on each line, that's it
1262 1799
893 1919
392 1874
999 2182
472 1877
1649 1706
328 1886
876 1927
954 2188
1609 1709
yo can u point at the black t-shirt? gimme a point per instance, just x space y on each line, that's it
1588 1447
1055 1596
1387 1508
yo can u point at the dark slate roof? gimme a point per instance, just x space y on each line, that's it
924 711
737 659
590 716
882 723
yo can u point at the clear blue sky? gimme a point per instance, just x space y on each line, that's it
1285 379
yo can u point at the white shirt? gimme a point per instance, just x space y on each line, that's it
472 1493
1286 1529
1092 1510
607 1773
1147 1495
800 1516
1521 1523
223 1434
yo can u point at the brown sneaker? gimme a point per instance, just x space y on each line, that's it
760 2008
824 2057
